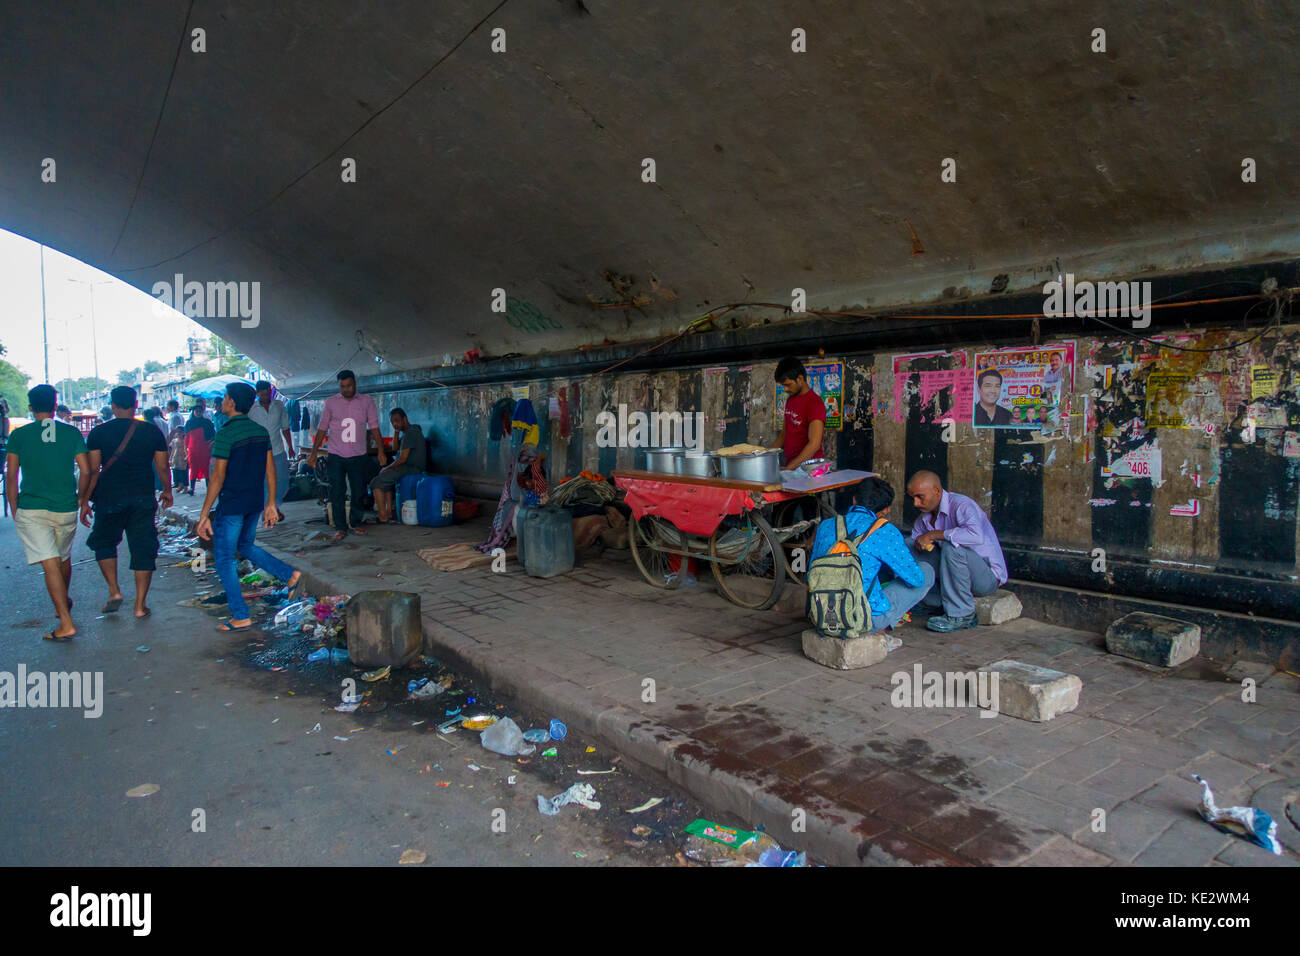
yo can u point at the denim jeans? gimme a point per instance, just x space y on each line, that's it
903 598
236 533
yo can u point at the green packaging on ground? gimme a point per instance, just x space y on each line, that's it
716 832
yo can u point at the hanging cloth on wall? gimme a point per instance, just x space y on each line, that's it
566 422
525 420
499 420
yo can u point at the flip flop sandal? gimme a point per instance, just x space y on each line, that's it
112 605
51 636
227 627
147 612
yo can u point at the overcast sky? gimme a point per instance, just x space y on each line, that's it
127 332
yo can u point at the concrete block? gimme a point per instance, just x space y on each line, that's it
1034 693
997 608
1154 639
844 653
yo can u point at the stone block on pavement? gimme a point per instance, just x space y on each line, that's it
844 653
1154 639
1034 693
997 608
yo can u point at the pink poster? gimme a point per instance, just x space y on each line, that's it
931 383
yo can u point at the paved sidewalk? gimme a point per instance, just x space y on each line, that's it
764 736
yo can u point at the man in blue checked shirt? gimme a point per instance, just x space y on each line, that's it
885 549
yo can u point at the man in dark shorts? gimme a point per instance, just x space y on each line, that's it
410 460
125 457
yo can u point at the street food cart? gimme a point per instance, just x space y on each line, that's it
745 530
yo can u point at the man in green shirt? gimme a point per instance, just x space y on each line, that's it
45 507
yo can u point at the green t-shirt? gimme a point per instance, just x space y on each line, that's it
49 476
244 444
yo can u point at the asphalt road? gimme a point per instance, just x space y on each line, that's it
216 734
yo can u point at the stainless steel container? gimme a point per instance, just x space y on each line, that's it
702 464
764 466
663 459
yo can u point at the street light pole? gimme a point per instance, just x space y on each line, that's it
94 336
45 338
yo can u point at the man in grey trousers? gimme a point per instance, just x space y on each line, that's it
955 536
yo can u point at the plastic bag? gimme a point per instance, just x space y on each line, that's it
580 793
293 614
1255 825
505 738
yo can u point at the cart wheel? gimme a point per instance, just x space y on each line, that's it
653 565
755 581
781 517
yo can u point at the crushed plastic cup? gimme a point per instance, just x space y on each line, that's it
558 730
537 735
339 655
320 654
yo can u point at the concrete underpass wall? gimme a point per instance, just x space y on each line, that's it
1214 525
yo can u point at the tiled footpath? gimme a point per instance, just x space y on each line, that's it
740 718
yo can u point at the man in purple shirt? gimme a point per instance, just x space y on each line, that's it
346 420
954 535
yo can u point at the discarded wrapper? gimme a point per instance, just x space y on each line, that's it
1255 825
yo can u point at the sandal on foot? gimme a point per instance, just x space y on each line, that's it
51 636
230 627
112 605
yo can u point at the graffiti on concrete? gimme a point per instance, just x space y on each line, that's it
523 315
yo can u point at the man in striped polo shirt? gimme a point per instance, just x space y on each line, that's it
242 471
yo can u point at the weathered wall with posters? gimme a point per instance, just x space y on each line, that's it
1181 464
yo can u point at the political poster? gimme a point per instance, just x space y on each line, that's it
827 380
1027 388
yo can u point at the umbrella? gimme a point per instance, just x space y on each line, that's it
214 387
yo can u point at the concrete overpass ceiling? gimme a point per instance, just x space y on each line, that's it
522 169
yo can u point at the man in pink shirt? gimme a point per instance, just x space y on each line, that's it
345 421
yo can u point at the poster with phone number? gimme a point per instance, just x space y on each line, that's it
827 380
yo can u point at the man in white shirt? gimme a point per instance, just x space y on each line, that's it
274 417
175 419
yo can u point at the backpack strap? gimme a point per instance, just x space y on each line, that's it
841 529
876 526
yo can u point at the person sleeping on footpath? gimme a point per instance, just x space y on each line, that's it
954 536
882 550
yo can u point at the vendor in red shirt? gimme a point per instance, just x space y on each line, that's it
805 414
